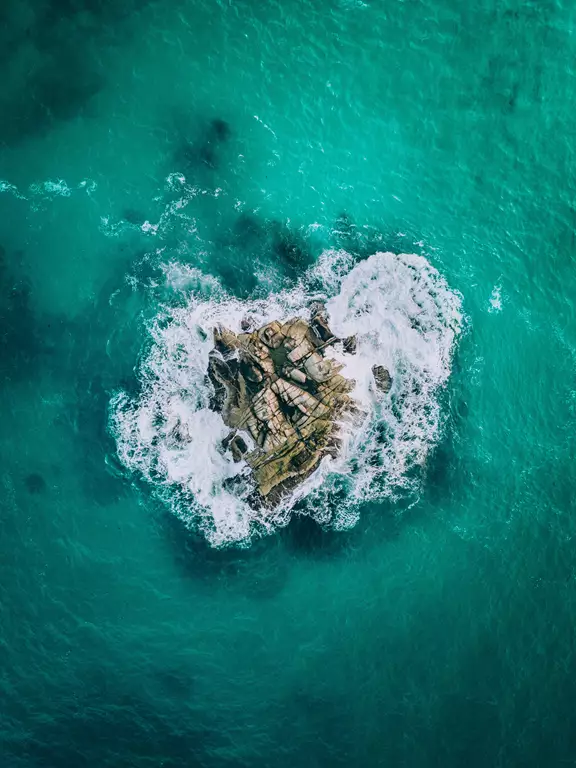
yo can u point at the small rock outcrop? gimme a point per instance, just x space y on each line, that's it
277 385
382 378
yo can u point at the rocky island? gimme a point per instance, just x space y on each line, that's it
283 398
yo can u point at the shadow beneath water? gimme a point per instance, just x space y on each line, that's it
259 571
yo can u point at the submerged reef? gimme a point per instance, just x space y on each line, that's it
283 398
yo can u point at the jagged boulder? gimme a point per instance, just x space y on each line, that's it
283 398
277 385
382 378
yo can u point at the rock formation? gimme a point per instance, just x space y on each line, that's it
277 385
382 378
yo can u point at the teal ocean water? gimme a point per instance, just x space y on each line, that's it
165 157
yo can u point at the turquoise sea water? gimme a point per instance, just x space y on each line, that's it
231 137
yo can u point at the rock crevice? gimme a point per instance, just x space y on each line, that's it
277 385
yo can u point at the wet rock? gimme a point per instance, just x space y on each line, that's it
350 345
318 309
272 335
321 329
252 372
296 374
221 374
318 368
236 445
276 385
382 378
225 341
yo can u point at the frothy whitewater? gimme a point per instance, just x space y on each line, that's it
405 317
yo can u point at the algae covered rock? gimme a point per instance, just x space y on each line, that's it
283 398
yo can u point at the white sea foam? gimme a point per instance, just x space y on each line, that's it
405 318
495 300
48 190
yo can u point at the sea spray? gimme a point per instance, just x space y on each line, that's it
404 317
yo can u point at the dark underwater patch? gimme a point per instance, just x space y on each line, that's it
217 133
21 341
244 246
94 443
259 572
57 91
446 473
252 244
35 483
290 248
51 70
133 216
219 130
115 726
30 341
103 346
305 537
199 147
235 275
76 350
248 230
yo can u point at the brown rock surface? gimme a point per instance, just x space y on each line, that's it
382 378
277 385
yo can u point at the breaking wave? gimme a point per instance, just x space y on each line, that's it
405 317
